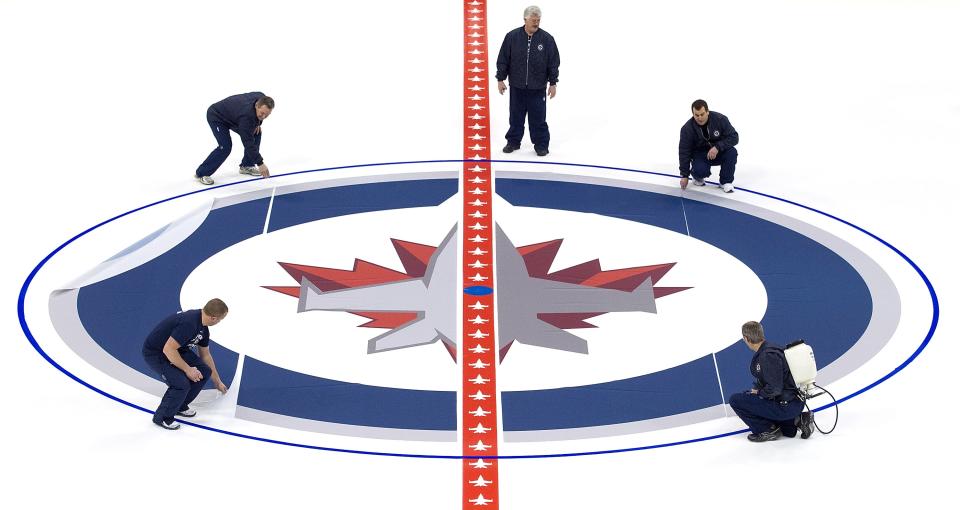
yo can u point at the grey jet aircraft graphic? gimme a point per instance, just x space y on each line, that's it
520 298
433 297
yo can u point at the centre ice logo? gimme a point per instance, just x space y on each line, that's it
318 371
536 306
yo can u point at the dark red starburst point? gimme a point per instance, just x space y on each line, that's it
414 257
539 257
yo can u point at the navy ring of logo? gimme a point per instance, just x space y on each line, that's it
518 192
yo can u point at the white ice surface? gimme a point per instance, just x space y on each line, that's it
846 106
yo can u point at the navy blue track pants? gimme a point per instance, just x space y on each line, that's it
761 414
224 145
181 390
532 104
727 159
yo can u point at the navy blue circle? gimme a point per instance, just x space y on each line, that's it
33 342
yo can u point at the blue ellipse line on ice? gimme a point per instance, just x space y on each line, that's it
567 201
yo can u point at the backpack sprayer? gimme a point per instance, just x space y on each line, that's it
803 368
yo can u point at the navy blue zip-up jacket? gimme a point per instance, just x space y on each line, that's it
529 61
722 136
239 114
769 367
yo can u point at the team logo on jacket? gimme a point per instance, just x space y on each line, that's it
540 47
716 132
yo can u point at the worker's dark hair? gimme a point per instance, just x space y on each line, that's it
265 101
699 104
752 332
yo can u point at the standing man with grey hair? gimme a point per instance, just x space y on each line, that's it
243 113
772 408
529 58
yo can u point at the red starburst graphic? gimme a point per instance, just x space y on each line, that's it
538 259
414 258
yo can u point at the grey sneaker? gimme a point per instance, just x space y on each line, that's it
727 188
171 425
698 182
806 425
250 170
769 435
206 179
187 413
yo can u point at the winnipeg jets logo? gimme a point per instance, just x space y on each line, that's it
536 307
716 132
540 47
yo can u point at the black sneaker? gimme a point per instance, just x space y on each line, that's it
169 425
770 435
508 148
542 152
187 413
806 425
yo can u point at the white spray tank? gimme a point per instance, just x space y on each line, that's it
803 366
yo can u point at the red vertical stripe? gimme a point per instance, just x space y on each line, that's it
479 352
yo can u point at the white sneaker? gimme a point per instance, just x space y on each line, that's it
698 182
250 170
727 188
169 426
206 179
189 413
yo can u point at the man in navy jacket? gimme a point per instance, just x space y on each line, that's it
169 350
771 409
243 113
706 140
529 58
